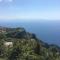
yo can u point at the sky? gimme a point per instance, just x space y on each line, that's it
30 9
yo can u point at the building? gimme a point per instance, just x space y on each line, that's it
8 44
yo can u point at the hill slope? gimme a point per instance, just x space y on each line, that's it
25 46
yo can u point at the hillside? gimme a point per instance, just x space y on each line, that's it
18 44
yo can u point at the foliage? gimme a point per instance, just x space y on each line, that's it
26 46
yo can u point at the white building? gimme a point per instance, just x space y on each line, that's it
8 44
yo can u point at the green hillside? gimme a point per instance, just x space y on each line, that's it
18 44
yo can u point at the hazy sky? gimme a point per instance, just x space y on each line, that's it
30 9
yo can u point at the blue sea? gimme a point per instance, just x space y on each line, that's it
46 30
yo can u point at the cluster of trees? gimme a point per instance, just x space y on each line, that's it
27 48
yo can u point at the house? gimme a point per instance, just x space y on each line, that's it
8 44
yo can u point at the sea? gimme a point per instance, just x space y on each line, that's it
45 30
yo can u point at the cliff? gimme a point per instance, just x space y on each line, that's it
23 45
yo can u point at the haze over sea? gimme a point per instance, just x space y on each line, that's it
46 30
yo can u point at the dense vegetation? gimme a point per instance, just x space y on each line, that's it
25 46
